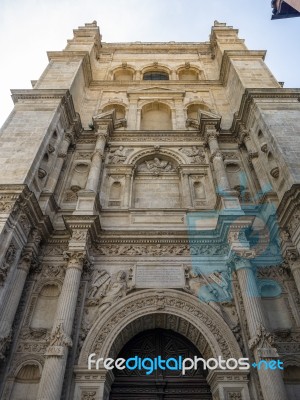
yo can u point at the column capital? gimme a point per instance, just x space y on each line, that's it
211 133
216 154
101 134
75 259
59 340
241 259
263 341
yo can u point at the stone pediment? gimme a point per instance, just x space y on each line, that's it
208 118
208 115
105 115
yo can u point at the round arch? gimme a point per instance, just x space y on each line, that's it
120 109
180 312
156 67
192 108
139 156
123 73
184 70
156 115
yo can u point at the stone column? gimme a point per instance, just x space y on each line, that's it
253 159
56 355
95 169
12 294
53 178
261 342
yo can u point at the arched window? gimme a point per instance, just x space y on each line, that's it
26 383
155 76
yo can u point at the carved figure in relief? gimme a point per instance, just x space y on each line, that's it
156 166
117 156
99 284
116 289
196 154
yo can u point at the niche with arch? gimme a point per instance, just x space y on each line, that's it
199 192
193 110
45 307
156 116
124 74
26 383
79 177
156 183
115 194
119 110
188 74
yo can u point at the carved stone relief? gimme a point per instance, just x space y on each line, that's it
156 166
195 154
161 249
9 259
119 155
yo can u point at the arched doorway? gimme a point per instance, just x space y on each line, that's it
160 384
170 310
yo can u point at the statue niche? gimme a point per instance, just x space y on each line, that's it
156 184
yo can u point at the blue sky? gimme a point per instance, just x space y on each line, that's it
29 28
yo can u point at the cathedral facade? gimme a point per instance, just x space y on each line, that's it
150 207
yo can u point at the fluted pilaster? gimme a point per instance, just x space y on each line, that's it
261 341
57 352
12 293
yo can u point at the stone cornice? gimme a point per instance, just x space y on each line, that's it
288 204
69 116
183 47
27 203
110 85
252 96
74 56
240 55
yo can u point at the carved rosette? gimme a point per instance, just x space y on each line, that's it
88 395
